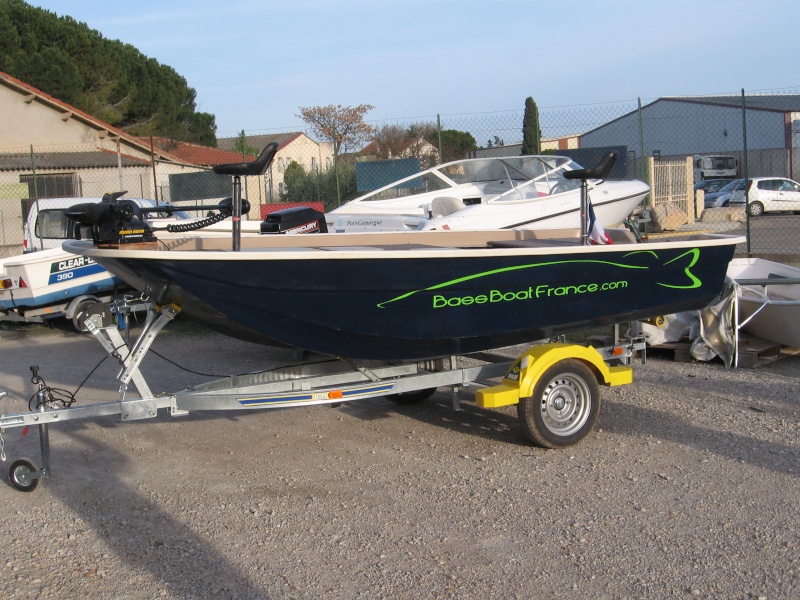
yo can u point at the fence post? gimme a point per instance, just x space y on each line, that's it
641 138
693 214
155 176
746 173
35 194
439 132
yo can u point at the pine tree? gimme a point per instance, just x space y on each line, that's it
531 133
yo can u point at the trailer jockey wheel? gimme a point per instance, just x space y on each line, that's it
23 476
79 319
564 405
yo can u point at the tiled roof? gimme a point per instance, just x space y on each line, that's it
205 156
57 104
259 141
59 161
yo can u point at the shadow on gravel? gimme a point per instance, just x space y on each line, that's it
638 422
137 529
437 411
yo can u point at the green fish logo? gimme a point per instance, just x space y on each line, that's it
690 256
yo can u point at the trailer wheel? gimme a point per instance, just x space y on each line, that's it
79 317
564 405
408 398
20 475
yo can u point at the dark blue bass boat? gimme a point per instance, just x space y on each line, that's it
420 295
404 296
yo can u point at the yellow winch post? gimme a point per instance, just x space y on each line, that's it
526 370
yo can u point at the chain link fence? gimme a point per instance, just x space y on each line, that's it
673 144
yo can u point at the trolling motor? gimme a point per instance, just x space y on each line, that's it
114 222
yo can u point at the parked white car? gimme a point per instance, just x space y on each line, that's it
769 194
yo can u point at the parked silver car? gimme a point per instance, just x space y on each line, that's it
723 196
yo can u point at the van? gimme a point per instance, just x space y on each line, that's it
46 225
715 166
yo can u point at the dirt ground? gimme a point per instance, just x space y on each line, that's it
688 486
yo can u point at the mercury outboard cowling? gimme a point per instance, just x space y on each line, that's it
300 219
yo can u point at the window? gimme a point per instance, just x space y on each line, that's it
56 185
768 184
54 224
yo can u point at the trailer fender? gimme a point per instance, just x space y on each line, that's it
79 302
526 370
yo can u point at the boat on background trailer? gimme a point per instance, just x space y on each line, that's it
52 283
502 192
768 299
47 282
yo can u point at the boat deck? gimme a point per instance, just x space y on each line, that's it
421 241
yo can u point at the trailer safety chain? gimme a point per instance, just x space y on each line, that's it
48 396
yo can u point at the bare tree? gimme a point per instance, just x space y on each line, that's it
343 126
394 141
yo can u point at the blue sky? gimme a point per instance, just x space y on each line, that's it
253 63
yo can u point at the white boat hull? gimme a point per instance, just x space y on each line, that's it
49 277
770 312
543 201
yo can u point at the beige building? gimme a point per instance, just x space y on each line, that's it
49 148
296 147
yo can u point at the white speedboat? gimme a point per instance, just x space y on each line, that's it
508 192
768 297
50 282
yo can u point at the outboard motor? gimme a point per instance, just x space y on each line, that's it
300 219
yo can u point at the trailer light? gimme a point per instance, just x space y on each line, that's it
335 394
6 283
616 351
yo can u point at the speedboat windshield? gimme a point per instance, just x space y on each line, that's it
517 168
462 173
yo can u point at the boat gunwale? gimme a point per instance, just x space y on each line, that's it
306 249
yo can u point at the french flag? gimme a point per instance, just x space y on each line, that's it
597 235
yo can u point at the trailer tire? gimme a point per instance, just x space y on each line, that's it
564 405
19 476
409 398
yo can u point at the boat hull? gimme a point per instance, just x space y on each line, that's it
613 202
383 303
51 276
773 314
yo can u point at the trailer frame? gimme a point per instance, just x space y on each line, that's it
331 381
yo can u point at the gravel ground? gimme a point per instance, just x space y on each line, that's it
688 487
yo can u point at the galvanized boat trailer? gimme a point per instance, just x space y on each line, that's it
556 387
